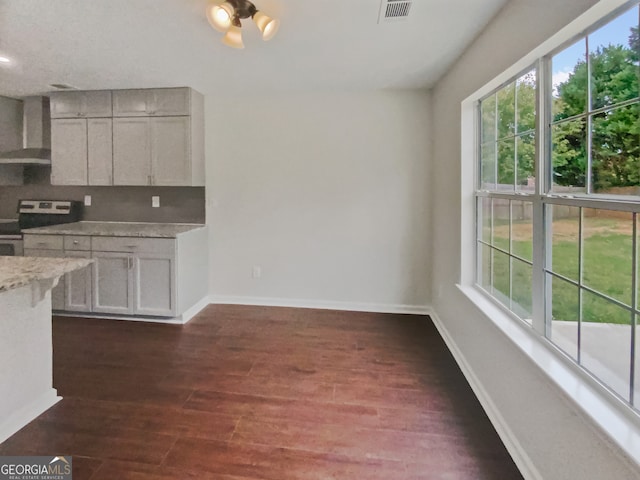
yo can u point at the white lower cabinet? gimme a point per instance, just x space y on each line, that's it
154 275
113 283
77 286
130 276
134 283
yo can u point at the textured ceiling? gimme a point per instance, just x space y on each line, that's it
321 45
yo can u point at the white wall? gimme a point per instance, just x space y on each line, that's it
326 192
559 442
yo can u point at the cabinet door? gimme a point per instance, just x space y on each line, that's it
58 292
78 286
66 104
113 283
154 284
170 101
100 151
131 151
69 152
132 103
170 151
97 104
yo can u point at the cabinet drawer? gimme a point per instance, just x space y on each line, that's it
77 242
133 244
40 242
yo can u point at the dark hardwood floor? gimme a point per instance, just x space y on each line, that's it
249 393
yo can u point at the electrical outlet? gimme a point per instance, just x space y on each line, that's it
256 271
87 200
155 201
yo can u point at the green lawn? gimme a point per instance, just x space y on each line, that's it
607 268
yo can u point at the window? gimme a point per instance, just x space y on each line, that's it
507 177
558 200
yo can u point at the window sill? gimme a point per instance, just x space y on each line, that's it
615 418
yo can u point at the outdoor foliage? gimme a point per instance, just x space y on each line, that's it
615 146
508 121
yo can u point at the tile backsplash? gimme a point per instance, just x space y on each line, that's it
115 204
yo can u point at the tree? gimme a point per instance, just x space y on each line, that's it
508 124
615 149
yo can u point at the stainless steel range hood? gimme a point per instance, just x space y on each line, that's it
36 135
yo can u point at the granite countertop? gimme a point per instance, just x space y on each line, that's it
117 229
16 272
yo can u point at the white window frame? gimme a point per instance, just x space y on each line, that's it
610 413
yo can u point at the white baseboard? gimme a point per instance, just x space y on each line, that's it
108 316
179 320
517 452
193 311
29 412
320 304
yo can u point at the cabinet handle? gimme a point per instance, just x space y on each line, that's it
132 247
76 242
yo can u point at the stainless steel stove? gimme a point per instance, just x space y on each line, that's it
32 214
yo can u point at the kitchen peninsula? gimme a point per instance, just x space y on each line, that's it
141 271
26 352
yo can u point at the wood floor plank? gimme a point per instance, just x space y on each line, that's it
43 438
278 408
355 442
119 470
273 463
85 467
263 393
79 415
265 386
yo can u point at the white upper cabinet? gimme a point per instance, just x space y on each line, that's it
131 151
170 151
151 137
81 151
152 151
100 151
159 102
69 151
73 104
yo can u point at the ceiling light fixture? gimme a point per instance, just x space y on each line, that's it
225 17
4 59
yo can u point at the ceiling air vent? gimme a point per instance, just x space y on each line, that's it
394 10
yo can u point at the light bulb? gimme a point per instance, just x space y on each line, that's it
4 59
267 25
220 15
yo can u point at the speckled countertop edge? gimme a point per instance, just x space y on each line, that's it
16 272
117 229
